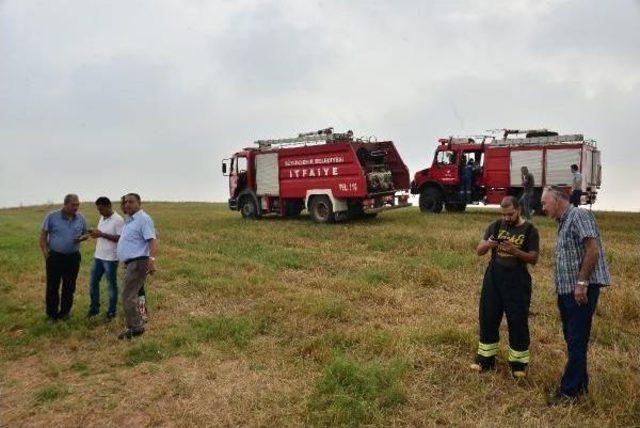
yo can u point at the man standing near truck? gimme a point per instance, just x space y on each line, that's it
514 242
576 185
527 191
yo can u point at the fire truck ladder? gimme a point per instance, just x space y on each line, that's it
538 137
316 137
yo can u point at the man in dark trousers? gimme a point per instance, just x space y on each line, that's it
576 185
506 289
580 271
527 191
137 249
60 236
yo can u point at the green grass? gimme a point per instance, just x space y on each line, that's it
288 323
52 392
151 351
350 393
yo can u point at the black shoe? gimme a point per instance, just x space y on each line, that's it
128 333
64 317
91 314
109 317
483 364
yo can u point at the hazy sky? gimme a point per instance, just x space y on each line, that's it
104 97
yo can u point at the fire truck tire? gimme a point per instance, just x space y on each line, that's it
455 207
248 208
431 200
321 209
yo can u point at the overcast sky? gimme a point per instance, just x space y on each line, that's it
104 97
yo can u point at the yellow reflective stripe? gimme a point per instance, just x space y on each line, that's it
488 349
519 356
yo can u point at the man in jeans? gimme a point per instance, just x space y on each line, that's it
105 260
137 249
580 271
60 237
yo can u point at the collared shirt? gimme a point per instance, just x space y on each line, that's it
62 231
106 249
577 181
134 240
574 226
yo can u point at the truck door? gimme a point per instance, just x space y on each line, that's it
238 175
445 167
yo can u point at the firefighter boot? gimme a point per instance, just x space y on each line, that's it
483 364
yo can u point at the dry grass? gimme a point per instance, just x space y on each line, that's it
285 323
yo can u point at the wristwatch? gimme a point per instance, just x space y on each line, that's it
152 258
582 283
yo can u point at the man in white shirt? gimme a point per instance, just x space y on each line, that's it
576 185
105 260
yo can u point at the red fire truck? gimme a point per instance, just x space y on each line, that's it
496 163
332 175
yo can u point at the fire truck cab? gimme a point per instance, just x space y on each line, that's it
485 168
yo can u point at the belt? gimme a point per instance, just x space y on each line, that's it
126 262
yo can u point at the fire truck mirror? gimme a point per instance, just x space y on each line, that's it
225 168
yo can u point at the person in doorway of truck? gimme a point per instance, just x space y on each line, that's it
467 181
514 243
142 296
576 185
527 191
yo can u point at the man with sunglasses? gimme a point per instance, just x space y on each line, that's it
506 290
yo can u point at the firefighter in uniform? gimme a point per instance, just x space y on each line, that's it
506 289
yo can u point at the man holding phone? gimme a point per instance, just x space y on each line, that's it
60 236
514 242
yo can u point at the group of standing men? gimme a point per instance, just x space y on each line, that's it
131 240
580 272
528 183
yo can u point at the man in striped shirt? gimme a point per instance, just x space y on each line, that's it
580 271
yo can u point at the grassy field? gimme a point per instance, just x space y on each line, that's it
288 323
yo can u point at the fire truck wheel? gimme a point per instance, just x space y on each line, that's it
322 209
431 200
248 208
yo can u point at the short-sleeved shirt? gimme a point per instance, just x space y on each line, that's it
528 182
525 237
134 240
62 231
574 227
106 249
577 181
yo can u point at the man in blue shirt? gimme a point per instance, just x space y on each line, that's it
137 249
580 272
60 237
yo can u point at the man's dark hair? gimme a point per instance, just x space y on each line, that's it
70 197
135 195
103 201
510 201
574 167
